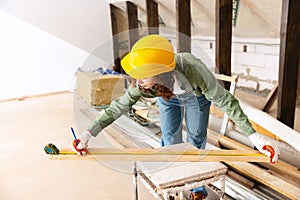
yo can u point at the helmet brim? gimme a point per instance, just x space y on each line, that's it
145 71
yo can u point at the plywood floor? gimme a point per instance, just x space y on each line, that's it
26 172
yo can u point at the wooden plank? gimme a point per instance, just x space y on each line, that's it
223 38
183 20
163 155
136 133
288 61
223 77
196 170
152 17
291 173
298 90
276 127
119 140
271 98
288 186
133 26
267 179
240 179
264 131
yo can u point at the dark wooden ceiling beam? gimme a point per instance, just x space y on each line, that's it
183 20
152 17
288 61
133 24
114 13
223 37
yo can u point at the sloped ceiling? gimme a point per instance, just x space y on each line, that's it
82 23
255 18
85 24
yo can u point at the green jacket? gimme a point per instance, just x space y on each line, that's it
188 69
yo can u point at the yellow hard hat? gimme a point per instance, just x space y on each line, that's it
149 56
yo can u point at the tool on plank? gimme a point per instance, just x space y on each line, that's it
53 150
272 152
161 154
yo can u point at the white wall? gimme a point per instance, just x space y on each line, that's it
36 62
257 68
79 22
33 61
44 42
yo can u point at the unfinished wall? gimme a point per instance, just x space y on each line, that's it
255 61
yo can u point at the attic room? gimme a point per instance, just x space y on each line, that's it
63 72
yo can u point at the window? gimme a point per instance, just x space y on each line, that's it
245 48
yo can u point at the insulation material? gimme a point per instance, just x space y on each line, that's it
97 89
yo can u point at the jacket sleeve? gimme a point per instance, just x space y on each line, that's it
203 81
116 109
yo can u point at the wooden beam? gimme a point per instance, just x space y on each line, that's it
298 90
115 31
240 179
163 155
271 98
152 17
183 20
288 61
277 184
291 173
133 25
223 38
273 125
226 78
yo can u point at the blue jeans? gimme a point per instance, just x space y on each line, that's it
196 112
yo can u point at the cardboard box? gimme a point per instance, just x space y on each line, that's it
97 89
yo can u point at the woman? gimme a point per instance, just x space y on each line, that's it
185 87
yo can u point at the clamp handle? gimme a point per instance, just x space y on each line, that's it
75 143
270 149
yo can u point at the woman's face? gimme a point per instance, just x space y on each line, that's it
147 83
155 85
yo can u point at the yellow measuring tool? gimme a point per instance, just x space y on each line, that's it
162 155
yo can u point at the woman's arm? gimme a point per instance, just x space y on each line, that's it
203 81
116 109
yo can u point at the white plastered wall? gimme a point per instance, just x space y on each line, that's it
44 42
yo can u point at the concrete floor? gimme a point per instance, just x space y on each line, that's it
26 171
